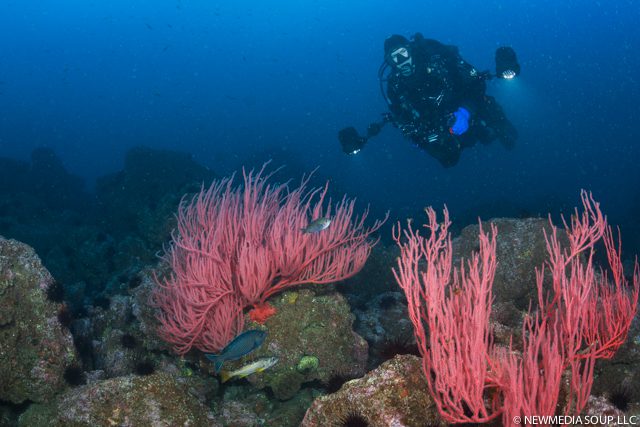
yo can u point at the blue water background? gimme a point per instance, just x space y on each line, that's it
237 82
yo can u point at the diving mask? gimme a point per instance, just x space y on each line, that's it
402 61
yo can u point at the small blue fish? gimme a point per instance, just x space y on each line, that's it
317 225
240 346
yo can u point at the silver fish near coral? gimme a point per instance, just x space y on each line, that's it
257 366
317 225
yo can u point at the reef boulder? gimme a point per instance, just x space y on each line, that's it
35 349
394 394
521 247
154 400
313 338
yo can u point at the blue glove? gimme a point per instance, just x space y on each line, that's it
460 121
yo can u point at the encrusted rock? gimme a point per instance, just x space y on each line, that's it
307 326
520 248
35 349
394 394
385 324
154 400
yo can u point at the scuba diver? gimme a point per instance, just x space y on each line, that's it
438 100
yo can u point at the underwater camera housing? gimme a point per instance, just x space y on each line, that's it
507 66
350 140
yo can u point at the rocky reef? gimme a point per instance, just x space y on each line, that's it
35 349
394 394
313 338
157 399
82 350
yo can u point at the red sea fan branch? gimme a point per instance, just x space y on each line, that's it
234 247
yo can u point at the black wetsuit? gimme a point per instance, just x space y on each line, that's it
422 104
